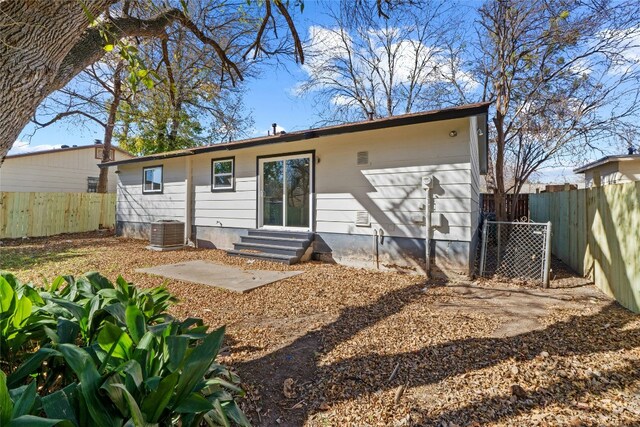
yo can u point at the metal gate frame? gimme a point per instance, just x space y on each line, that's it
547 246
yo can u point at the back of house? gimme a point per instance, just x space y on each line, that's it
358 190
62 170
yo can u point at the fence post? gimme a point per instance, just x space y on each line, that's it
483 248
547 256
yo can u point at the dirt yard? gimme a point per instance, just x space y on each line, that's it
338 346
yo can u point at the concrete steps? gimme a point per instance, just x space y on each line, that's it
287 247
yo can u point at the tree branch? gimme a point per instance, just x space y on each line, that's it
62 115
90 48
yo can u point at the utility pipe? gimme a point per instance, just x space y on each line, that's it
427 183
375 248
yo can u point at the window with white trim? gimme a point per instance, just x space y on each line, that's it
222 174
152 180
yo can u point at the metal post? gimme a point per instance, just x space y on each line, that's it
483 248
547 257
498 244
427 237
427 183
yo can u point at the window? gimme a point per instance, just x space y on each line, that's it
112 154
152 179
222 172
92 184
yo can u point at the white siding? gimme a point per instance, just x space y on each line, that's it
475 173
133 206
64 171
389 188
615 172
609 174
630 170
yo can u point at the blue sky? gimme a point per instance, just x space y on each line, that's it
270 98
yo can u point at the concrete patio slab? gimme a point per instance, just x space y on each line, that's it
218 275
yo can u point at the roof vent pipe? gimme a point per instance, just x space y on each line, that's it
370 115
274 125
632 150
97 141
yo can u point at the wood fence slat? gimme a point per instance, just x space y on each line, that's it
46 214
596 232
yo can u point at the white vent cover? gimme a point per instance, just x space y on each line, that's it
363 157
363 219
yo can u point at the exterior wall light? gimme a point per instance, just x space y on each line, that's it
453 133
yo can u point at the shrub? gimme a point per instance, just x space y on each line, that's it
109 355
20 319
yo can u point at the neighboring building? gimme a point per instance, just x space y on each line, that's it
62 170
611 170
556 188
356 189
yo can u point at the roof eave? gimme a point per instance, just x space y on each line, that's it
603 161
396 121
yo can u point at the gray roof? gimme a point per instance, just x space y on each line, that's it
66 149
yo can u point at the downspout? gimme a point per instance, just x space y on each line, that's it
188 200
427 183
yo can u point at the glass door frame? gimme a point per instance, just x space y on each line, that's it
261 160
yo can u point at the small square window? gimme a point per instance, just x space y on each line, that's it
112 153
222 174
152 179
92 184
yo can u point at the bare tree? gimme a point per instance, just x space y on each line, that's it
43 45
382 62
94 96
564 78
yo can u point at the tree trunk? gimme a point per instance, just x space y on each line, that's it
35 39
498 192
103 181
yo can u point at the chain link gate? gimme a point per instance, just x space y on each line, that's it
517 250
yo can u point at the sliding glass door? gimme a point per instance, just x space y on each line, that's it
285 191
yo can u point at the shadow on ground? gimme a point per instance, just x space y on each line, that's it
23 254
12 259
603 331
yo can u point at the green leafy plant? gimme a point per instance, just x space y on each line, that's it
20 319
17 407
113 356
91 299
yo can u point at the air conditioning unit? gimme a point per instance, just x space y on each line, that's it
167 234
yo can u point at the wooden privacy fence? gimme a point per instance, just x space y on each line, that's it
47 214
522 204
596 232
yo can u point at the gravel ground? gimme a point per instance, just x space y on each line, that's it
350 347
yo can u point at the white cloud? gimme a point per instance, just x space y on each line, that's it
629 48
256 133
23 147
331 51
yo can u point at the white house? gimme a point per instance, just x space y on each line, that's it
62 170
357 191
611 170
